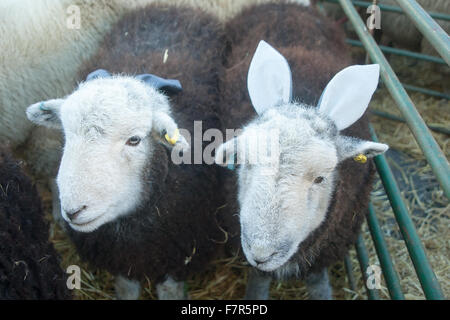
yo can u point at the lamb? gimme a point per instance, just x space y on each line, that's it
29 265
302 198
128 207
41 57
42 50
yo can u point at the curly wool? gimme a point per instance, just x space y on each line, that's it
29 265
315 50
177 229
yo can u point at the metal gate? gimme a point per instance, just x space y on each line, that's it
431 150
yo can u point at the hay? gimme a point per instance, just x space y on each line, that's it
226 278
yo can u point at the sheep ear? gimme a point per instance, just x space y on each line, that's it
226 152
167 133
348 147
269 79
167 86
46 113
99 73
347 95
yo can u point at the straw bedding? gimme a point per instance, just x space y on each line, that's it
226 279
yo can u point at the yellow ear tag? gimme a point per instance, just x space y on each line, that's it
360 158
173 140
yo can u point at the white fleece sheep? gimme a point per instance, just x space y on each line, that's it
41 55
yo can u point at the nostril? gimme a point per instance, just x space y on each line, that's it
73 214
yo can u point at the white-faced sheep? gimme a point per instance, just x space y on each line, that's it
29 265
41 51
130 208
42 48
301 199
43 45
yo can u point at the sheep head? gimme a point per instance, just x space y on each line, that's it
285 185
111 127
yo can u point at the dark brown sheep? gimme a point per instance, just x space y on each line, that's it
178 226
29 265
315 50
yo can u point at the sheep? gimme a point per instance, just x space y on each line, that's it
41 55
129 209
29 265
302 209
42 48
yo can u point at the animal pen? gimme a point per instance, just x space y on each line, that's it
226 281
430 148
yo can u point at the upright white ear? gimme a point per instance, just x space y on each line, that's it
347 95
269 79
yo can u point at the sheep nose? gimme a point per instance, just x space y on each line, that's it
74 213
259 259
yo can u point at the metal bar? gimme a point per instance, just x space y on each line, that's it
426 91
390 275
429 146
433 32
396 118
349 271
414 55
427 278
401 52
386 7
363 258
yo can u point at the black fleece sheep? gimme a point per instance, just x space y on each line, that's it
29 265
175 225
315 50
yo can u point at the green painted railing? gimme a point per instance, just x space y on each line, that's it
414 55
391 276
363 258
386 7
401 52
386 115
433 32
413 243
428 145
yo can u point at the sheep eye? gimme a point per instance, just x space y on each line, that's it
133 141
318 180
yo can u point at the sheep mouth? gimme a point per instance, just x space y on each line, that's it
271 265
85 224
275 262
